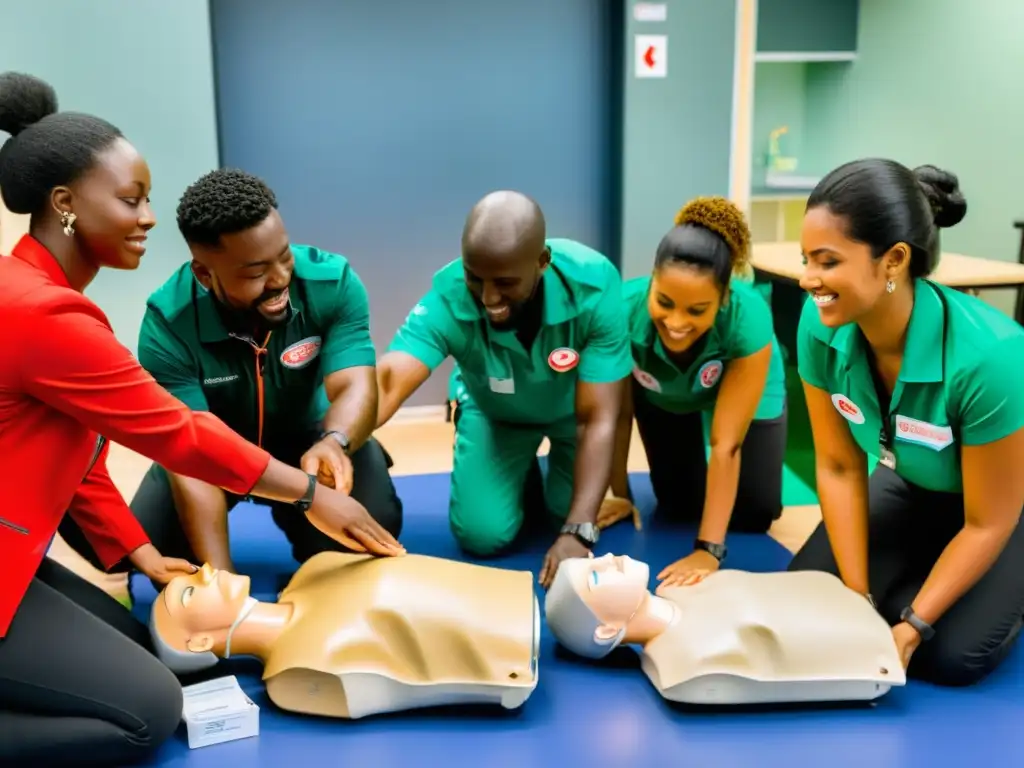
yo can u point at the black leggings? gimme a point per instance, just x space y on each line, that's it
676 455
78 683
908 528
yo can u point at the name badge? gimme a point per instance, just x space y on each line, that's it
921 432
503 386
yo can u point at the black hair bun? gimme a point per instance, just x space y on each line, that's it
24 100
942 189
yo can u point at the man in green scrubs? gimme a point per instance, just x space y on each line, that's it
274 339
537 330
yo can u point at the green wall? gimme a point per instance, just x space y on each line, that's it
677 131
935 81
147 67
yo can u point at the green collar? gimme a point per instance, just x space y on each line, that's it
922 356
211 326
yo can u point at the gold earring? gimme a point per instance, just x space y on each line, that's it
67 220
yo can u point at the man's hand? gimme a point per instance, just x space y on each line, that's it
616 508
689 570
565 546
158 568
907 639
330 464
346 521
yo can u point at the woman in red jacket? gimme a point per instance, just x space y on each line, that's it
78 682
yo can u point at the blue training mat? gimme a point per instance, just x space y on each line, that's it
604 714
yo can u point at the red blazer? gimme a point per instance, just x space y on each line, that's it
65 381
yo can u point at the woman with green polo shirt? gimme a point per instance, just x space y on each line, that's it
928 380
704 350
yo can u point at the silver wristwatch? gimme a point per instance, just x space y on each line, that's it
587 533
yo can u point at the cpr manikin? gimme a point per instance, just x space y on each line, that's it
353 635
733 638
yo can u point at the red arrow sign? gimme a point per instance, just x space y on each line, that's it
649 56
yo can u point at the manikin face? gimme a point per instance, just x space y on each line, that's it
613 587
199 609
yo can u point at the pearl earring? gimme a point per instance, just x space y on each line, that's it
890 286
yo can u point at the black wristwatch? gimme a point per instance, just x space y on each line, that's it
307 498
587 533
924 629
717 551
340 437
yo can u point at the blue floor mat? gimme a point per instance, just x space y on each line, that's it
605 715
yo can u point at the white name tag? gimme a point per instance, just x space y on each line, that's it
503 386
921 432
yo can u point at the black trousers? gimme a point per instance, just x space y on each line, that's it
78 682
153 505
674 444
909 527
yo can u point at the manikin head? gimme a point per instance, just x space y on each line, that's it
504 254
194 617
592 600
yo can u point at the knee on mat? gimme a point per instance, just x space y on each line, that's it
484 539
943 662
158 711
390 515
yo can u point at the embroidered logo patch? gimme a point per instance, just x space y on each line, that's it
563 359
848 408
710 373
301 353
646 380
931 435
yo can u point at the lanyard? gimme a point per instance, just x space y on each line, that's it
885 452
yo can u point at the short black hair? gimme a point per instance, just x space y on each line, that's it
223 202
47 148
885 203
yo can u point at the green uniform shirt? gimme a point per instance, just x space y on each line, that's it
964 389
272 397
743 326
582 338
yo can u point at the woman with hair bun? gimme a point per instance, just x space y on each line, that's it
78 680
705 360
928 380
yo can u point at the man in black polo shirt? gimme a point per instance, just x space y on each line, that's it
273 338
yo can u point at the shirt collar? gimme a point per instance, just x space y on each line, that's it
922 355
31 251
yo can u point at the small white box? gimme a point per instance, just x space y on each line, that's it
217 711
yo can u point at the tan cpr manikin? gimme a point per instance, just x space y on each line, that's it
733 638
353 635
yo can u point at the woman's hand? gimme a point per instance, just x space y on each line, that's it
689 570
158 568
907 639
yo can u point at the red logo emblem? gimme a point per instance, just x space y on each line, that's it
301 353
710 373
563 359
848 408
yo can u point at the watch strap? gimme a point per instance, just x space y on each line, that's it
587 533
717 551
307 498
924 629
339 437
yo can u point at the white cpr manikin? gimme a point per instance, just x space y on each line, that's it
734 638
354 635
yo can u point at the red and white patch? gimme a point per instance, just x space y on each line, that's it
646 380
710 373
848 408
301 353
563 359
